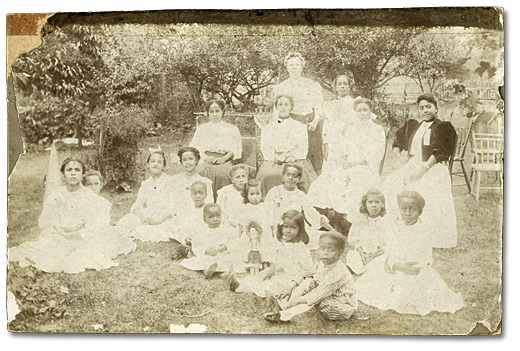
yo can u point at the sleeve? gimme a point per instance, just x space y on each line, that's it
140 202
354 235
390 247
235 143
442 141
198 141
300 142
266 143
326 288
271 206
311 215
376 150
318 100
51 210
402 135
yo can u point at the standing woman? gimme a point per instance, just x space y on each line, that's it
308 101
422 146
219 144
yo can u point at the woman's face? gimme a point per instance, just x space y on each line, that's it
290 230
283 107
156 163
342 88
363 112
73 172
291 177
427 110
215 113
294 67
189 161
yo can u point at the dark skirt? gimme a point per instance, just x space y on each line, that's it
270 175
315 152
219 174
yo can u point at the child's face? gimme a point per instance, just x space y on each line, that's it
189 161
374 205
427 110
291 177
283 107
254 195
239 179
342 87
409 211
73 172
198 194
290 230
363 112
156 164
328 251
213 217
215 113
93 182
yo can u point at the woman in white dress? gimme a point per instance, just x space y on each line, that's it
422 147
308 105
219 144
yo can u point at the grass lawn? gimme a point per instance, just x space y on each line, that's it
148 291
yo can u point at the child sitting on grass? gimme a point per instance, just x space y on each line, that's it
210 244
230 197
254 209
94 181
330 287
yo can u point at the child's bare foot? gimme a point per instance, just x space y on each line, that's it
210 271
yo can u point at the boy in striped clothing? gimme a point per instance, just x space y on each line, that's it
330 287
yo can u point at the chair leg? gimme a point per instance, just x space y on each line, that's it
479 178
465 176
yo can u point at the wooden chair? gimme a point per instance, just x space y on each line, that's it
463 137
489 151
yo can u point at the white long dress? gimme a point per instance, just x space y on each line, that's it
408 294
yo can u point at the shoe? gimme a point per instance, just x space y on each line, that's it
273 302
208 273
274 317
233 282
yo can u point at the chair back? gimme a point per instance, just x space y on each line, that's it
454 151
488 149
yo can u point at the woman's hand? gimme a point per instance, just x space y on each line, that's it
408 268
210 159
219 161
313 125
289 159
269 273
149 221
279 158
418 174
211 252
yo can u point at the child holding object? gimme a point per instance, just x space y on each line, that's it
367 232
254 209
230 197
406 282
330 287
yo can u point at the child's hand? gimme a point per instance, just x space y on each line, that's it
269 273
211 252
313 125
287 292
408 268
222 248
148 221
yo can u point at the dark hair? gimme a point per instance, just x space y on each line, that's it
339 240
198 182
159 152
72 159
220 103
293 54
410 194
363 101
252 183
363 208
254 224
209 206
92 173
335 82
427 97
289 97
299 219
292 164
191 149
235 168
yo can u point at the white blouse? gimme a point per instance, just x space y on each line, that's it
156 196
284 136
217 137
307 95
422 133
181 184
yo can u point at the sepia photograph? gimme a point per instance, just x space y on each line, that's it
296 171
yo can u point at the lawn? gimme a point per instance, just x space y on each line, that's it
148 291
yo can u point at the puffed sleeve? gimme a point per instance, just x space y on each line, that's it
51 210
403 134
141 197
198 141
266 143
442 141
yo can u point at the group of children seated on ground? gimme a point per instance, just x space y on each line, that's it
275 245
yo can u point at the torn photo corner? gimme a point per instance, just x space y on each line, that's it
256 171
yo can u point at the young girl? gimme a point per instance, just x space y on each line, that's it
405 281
367 233
330 287
189 158
287 197
230 197
210 244
154 204
94 181
254 209
287 258
69 221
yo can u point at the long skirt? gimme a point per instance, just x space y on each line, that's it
435 187
218 174
315 152
270 175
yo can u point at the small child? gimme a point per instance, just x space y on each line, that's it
367 233
210 244
191 216
94 181
230 197
254 209
189 158
330 287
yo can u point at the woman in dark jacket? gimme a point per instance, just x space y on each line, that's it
423 146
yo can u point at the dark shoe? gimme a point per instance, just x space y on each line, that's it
274 305
233 283
274 317
210 271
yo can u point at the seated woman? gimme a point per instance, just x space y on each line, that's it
405 281
284 141
421 147
353 164
75 232
219 144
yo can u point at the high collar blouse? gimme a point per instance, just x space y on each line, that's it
307 94
284 136
217 137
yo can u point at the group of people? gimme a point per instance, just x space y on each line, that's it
317 227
